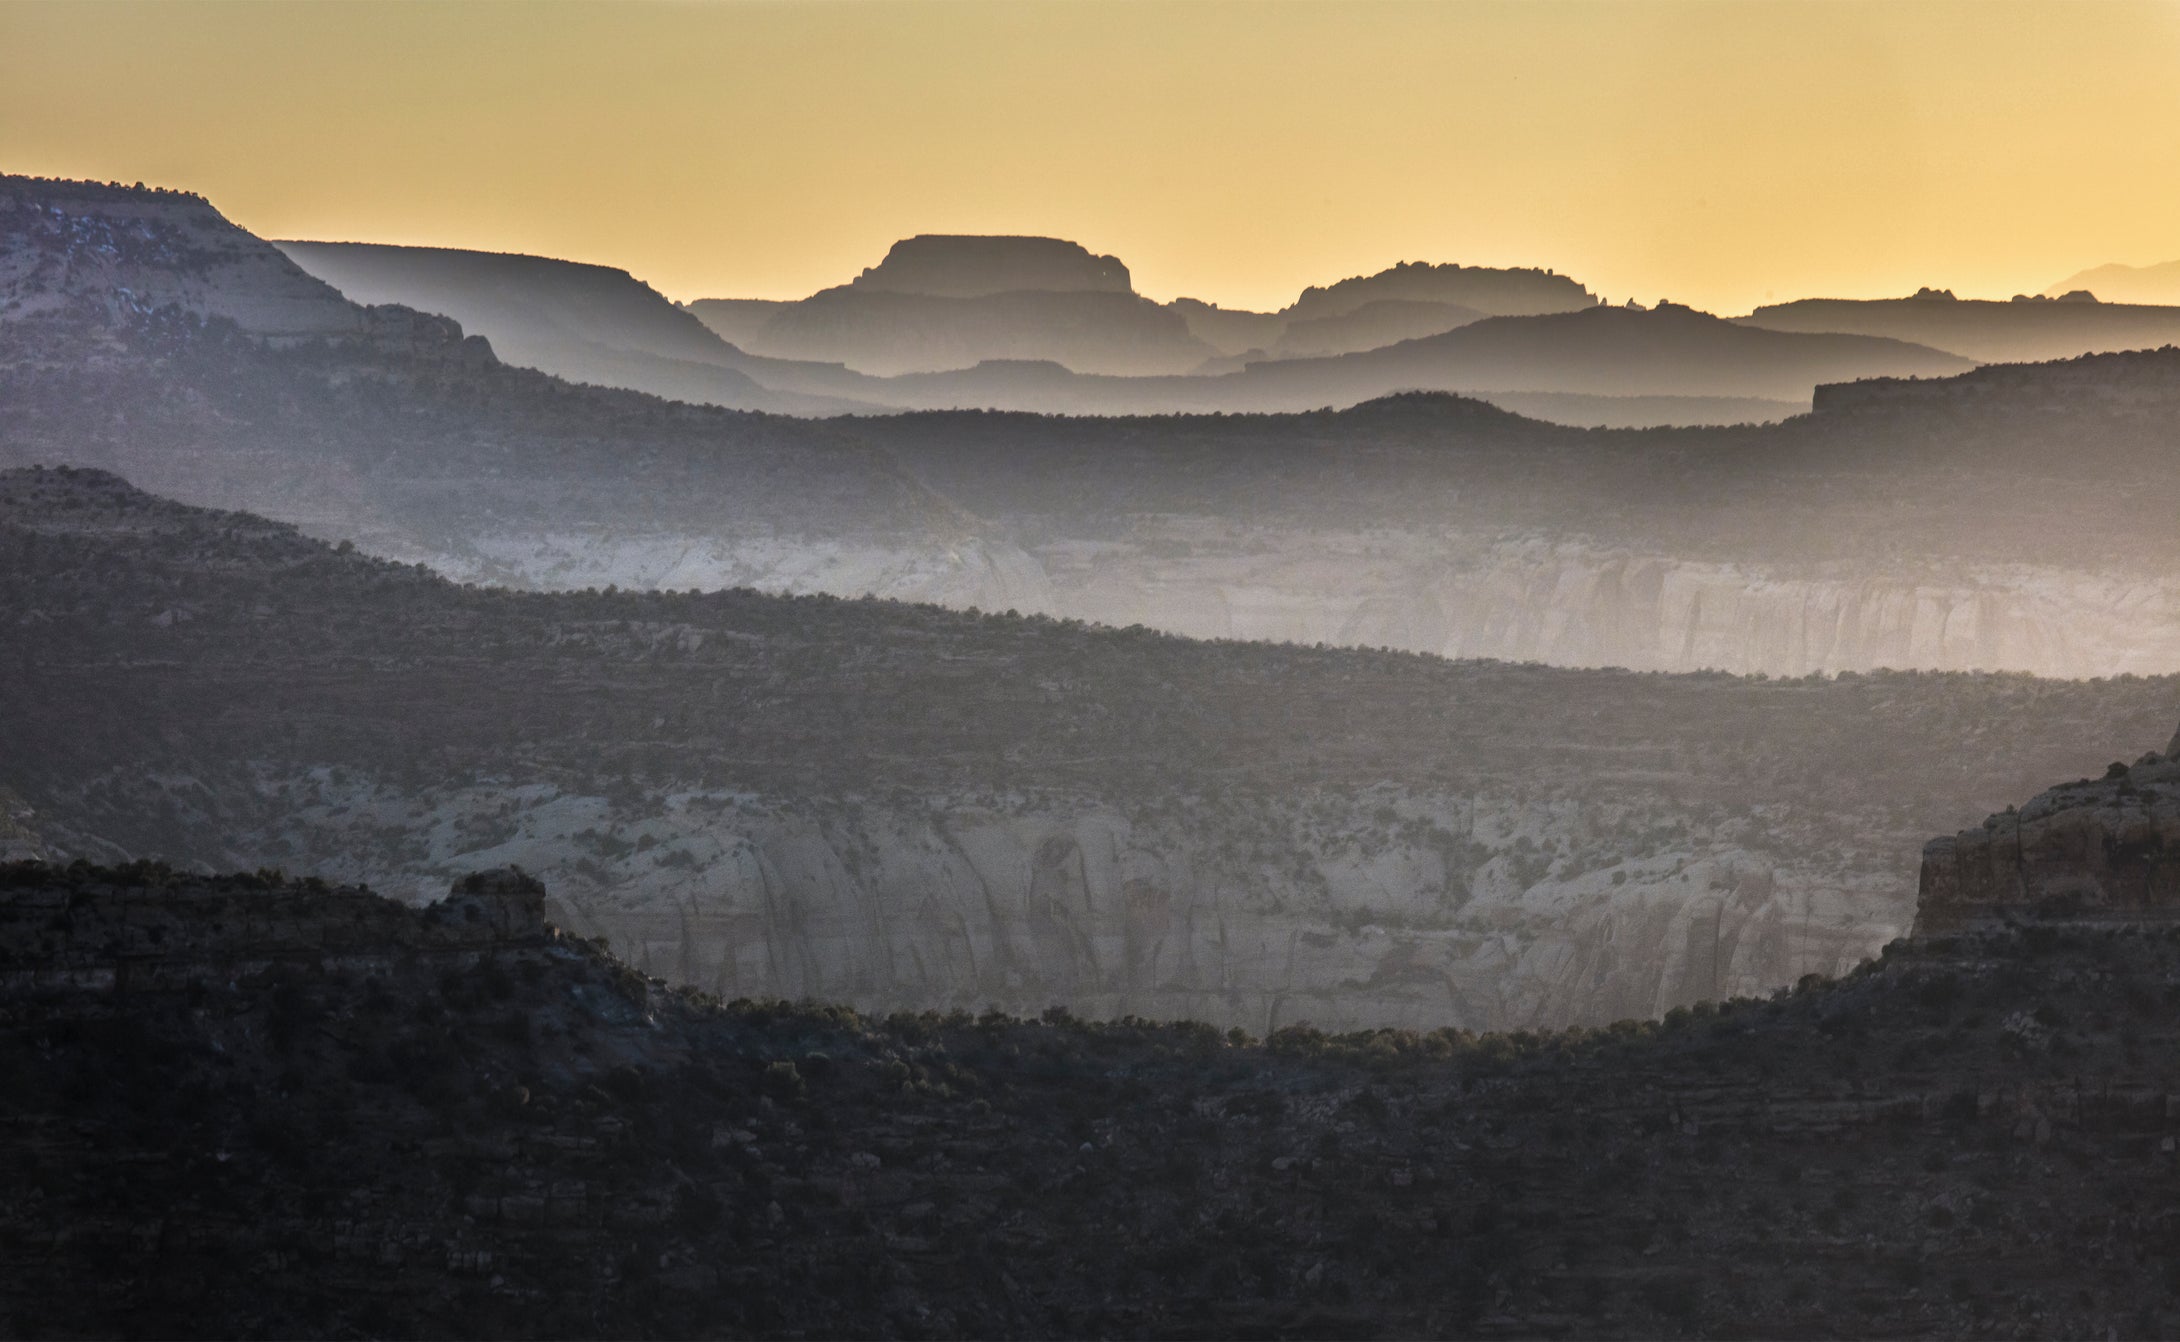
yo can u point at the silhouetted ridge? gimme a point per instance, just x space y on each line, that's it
950 265
1513 292
2021 330
2131 384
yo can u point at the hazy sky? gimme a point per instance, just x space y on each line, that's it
1713 153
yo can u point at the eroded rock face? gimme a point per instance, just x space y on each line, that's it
2102 849
1561 603
1419 912
1571 604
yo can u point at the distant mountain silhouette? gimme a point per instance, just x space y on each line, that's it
1603 351
2024 330
736 320
957 265
1668 352
1374 325
1366 312
1230 330
951 302
1089 351
884 332
2156 284
1498 293
584 322
939 302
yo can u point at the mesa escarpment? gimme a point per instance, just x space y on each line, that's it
944 265
78 247
2103 849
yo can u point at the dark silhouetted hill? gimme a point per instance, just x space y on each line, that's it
939 302
885 331
582 322
1385 321
1495 292
2157 284
2022 331
1670 352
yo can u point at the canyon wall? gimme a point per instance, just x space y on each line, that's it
1562 603
1347 912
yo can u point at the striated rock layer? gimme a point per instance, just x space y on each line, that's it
2101 849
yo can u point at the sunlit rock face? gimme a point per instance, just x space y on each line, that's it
1560 603
1343 912
2097 849
964 571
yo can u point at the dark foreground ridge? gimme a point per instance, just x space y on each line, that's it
253 1106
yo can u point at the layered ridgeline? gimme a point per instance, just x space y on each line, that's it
582 322
2012 518
1043 325
255 1107
2125 284
2024 329
140 331
2015 517
898 806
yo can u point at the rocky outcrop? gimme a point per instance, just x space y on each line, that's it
2104 849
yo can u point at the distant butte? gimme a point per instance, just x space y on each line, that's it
960 265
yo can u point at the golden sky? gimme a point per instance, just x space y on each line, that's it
1717 153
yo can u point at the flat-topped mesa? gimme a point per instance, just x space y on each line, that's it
2099 850
70 245
958 265
2144 381
148 929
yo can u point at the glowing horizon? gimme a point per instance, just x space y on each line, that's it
1718 154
